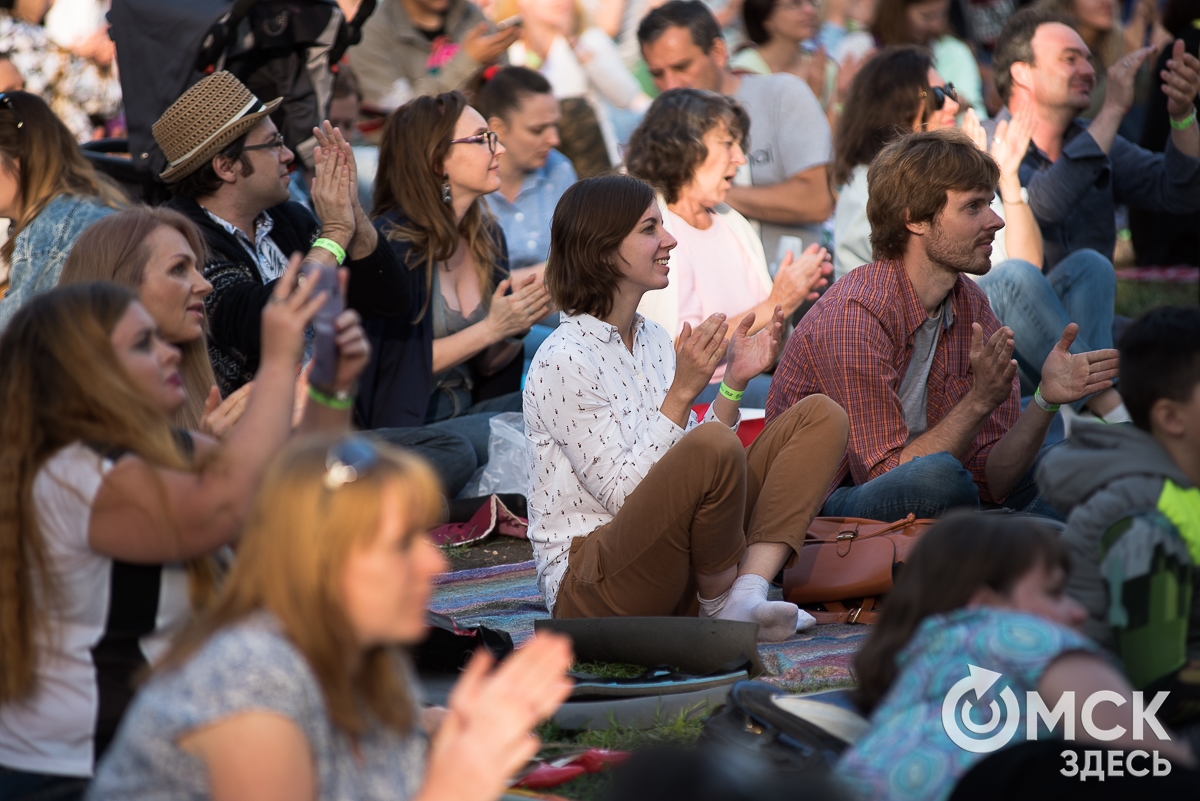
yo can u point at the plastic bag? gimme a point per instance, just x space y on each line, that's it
507 468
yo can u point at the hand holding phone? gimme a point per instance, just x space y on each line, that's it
325 352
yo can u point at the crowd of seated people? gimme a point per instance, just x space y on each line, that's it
901 255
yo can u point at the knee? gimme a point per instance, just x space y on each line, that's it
1091 266
823 412
1016 272
944 476
715 445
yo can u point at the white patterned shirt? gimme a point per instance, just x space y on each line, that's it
594 429
268 258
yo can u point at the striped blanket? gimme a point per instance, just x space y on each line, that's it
506 597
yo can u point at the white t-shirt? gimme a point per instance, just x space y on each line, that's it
788 134
93 646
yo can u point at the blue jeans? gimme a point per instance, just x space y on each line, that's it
928 486
755 397
18 785
451 453
1080 289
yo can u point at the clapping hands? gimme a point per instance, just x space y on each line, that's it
485 736
750 355
1068 377
332 147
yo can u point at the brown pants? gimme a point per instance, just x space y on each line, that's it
699 507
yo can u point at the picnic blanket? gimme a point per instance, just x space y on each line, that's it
506 597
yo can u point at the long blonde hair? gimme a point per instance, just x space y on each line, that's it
114 249
416 139
48 161
62 384
295 543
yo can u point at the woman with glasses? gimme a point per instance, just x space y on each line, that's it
292 686
109 516
455 361
50 193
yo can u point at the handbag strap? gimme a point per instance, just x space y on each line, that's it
837 612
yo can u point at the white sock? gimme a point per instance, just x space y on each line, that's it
1118 415
747 601
712 607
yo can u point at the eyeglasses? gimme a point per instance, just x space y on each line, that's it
7 101
940 93
275 144
347 460
793 5
478 139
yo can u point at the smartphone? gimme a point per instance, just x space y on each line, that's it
511 22
325 355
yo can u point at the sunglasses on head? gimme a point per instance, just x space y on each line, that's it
6 100
348 460
940 93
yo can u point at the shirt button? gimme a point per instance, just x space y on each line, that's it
519 216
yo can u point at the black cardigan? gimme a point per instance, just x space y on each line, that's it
378 288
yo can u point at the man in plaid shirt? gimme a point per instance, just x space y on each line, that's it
910 348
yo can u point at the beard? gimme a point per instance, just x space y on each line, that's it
956 255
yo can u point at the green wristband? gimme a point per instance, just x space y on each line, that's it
1185 123
342 402
338 252
732 394
1042 403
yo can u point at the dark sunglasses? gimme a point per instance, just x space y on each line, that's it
940 93
348 460
7 101
478 139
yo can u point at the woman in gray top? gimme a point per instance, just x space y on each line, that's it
291 688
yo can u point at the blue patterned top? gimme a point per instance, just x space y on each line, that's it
907 753
250 666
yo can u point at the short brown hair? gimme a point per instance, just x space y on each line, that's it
668 145
1015 43
908 183
591 220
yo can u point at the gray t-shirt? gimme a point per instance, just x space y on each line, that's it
250 666
914 387
788 134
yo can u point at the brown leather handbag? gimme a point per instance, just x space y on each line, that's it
846 563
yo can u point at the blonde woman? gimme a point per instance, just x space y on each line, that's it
291 688
103 504
157 253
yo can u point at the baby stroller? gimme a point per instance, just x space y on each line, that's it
278 48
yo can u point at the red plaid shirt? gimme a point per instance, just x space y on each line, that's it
855 344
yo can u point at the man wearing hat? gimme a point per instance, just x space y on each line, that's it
228 169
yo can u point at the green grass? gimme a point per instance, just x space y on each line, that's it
608 670
682 729
454 552
1136 297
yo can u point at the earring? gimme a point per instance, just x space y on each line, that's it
446 191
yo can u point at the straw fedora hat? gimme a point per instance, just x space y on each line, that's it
203 122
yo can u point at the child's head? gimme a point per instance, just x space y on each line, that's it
1160 371
967 559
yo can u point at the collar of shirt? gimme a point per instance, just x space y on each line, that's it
1039 156
532 183
912 312
597 328
263 225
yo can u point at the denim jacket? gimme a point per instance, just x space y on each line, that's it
41 249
